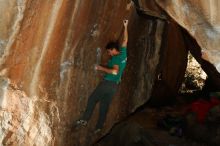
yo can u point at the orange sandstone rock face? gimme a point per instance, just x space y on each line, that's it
47 54
48 50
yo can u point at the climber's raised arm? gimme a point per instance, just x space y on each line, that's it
125 35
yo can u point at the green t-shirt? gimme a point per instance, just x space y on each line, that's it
120 60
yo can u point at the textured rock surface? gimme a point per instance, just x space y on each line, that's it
171 70
143 58
48 52
150 8
201 20
173 59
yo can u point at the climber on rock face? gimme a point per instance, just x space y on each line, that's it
108 86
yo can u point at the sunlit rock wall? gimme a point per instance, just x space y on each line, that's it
48 49
201 19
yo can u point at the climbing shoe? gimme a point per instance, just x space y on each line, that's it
78 124
81 122
97 131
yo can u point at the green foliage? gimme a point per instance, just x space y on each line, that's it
194 76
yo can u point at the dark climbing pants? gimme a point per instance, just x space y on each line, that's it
103 94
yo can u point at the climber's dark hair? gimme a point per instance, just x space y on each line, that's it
111 45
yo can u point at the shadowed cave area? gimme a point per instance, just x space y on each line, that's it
170 90
181 111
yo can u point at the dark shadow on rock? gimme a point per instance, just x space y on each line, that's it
127 134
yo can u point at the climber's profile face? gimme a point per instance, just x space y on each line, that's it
112 51
112 48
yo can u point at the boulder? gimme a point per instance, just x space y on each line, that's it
47 58
201 20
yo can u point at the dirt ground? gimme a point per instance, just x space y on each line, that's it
141 129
